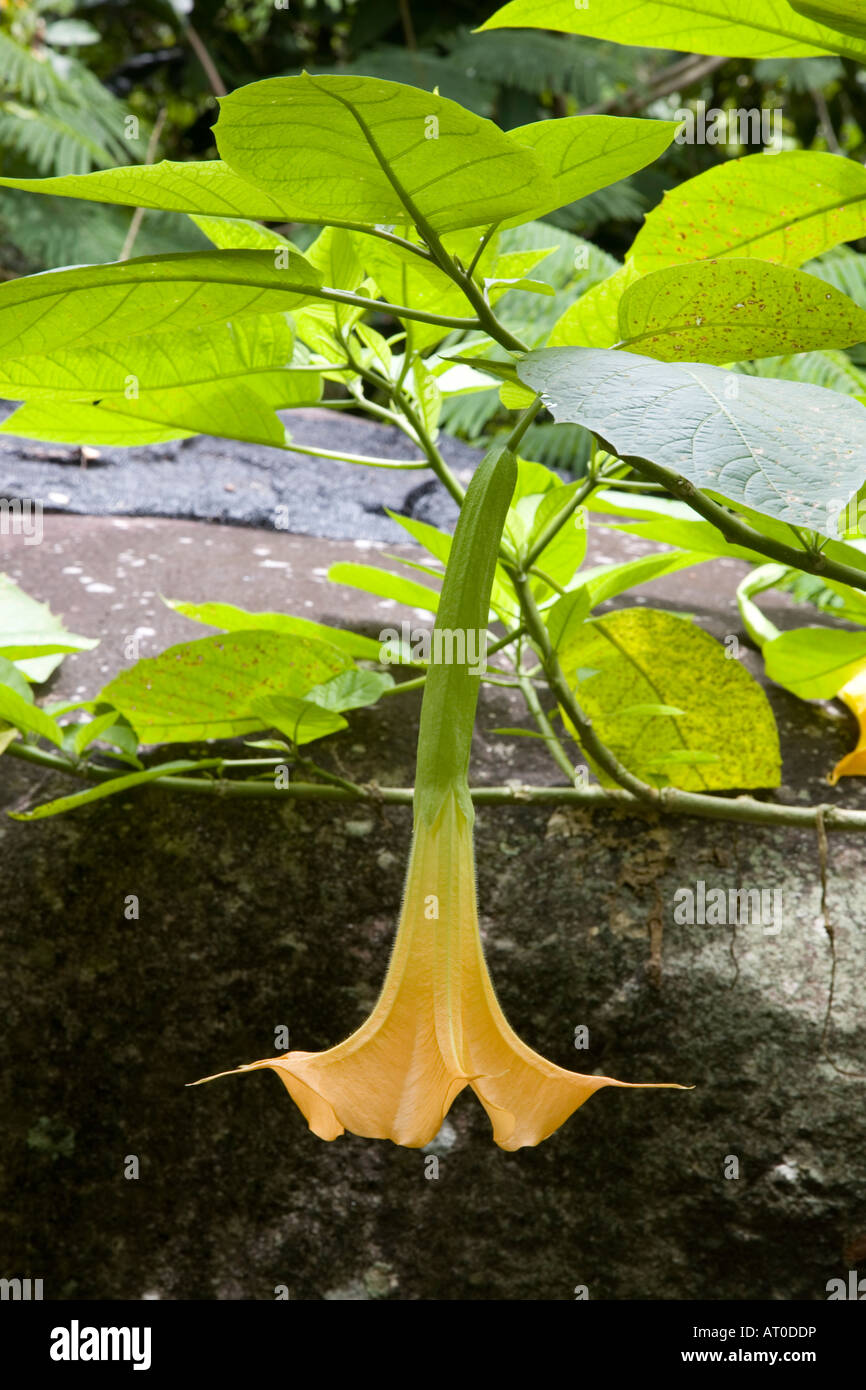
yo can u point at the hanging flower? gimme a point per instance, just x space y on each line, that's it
854 695
436 1028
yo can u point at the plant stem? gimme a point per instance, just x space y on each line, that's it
590 742
744 809
557 523
555 748
740 533
367 460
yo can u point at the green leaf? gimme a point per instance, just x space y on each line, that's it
32 636
351 690
242 410
437 542
90 305
27 717
783 449
784 207
562 557
233 619
227 379
688 534
758 627
403 277
242 352
334 256
85 734
239 234
301 720
643 656
566 617
607 581
111 787
732 28
391 153
387 585
585 153
10 675
723 311
846 16
593 319
208 187
814 662
205 689
70 422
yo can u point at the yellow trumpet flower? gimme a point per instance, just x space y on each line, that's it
854 695
437 1026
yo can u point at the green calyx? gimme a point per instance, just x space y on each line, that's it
459 639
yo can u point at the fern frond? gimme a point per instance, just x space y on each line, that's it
831 368
843 268
24 73
535 62
54 232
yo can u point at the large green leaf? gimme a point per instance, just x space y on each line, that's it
783 207
98 304
784 449
244 350
585 153
640 657
241 410
364 150
226 379
815 662
733 28
233 619
71 422
847 16
206 689
208 187
728 310
31 635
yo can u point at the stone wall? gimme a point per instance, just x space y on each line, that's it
256 914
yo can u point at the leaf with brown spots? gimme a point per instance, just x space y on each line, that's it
208 689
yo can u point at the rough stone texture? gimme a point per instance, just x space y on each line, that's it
244 484
255 915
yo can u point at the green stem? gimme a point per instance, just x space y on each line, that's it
554 747
365 459
739 532
557 523
590 742
741 809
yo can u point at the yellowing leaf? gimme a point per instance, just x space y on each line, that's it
726 736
